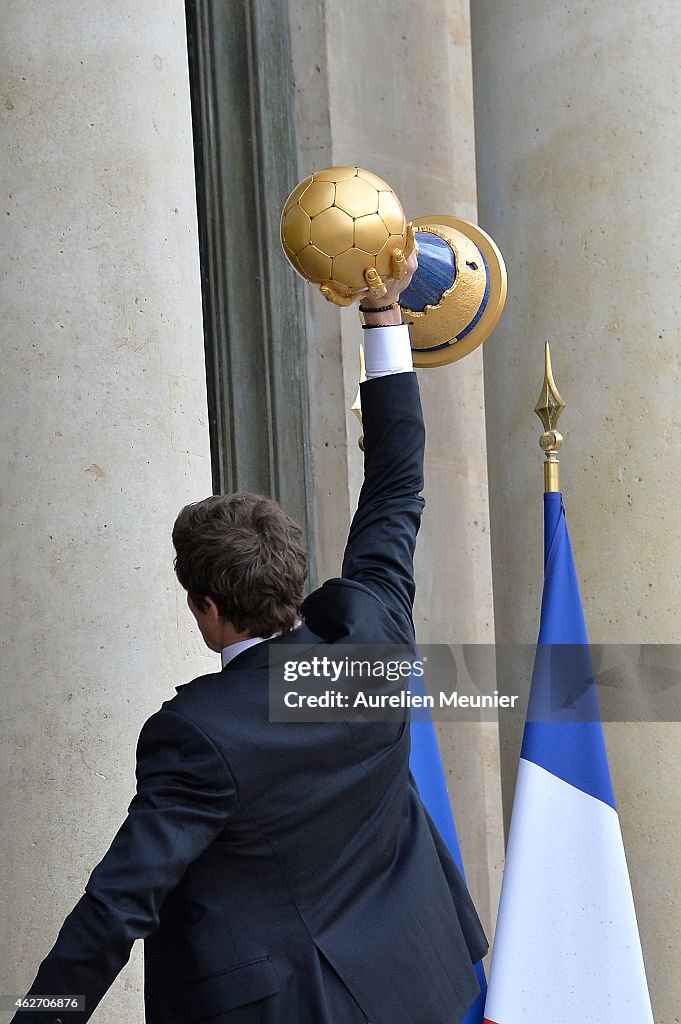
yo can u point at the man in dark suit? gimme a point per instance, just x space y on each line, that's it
284 873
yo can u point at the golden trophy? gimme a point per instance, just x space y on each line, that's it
344 229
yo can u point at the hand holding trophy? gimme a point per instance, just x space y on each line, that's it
344 229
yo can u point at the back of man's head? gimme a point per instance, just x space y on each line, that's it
246 553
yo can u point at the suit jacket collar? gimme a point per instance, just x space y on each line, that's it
274 650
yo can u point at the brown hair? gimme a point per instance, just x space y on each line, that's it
246 553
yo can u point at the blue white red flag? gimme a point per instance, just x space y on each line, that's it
567 947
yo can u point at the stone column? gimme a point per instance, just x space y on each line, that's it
103 436
388 86
578 181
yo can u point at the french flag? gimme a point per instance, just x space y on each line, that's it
567 947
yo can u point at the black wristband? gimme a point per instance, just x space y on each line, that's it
379 309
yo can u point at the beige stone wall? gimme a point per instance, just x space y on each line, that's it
388 86
578 158
103 436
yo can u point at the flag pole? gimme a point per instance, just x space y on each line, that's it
548 408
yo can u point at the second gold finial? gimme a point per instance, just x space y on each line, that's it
548 408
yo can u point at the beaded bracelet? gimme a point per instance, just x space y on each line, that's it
378 309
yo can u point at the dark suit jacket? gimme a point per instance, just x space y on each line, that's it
255 852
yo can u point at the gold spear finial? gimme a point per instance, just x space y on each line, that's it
548 408
356 406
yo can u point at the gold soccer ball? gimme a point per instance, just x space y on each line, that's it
338 223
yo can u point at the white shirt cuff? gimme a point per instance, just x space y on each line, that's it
387 350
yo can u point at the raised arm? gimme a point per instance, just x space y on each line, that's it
380 547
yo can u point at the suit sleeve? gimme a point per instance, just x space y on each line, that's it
185 795
382 538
